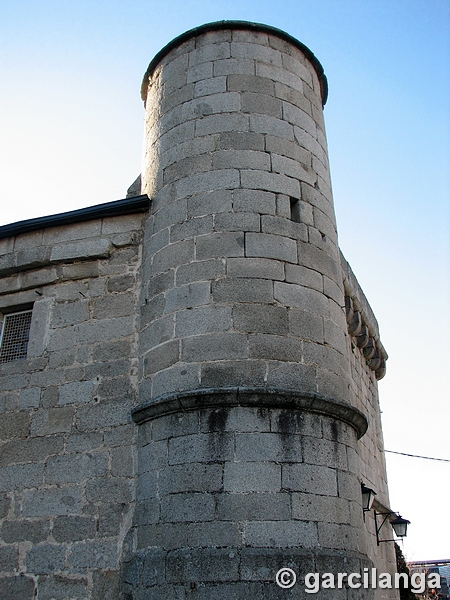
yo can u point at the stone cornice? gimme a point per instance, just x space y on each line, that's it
254 397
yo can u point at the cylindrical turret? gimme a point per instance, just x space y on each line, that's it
248 420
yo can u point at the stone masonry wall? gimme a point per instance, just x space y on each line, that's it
67 444
241 268
217 322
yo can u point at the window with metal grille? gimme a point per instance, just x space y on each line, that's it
15 335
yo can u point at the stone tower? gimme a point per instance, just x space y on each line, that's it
250 409
188 377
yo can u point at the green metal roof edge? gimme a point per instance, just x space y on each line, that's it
245 25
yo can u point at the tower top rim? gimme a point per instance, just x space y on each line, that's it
242 25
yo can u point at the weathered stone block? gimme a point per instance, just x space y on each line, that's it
85 270
14 425
218 245
241 159
30 450
275 347
237 222
17 586
253 507
162 357
209 203
147 511
174 255
147 487
25 531
213 85
53 502
240 290
5 504
251 83
298 296
174 172
201 448
118 305
105 583
228 372
270 182
226 102
251 477
57 586
337 536
187 296
234 66
212 180
153 456
274 447
284 227
214 346
70 529
9 559
105 330
191 228
254 201
260 318
170 536
306 324
203 320
116 489
45 559
291 375
96 554
121 283
189 506
76 468
193 477
108 413
220 123
76 392
174 425
176 378
304 277
205 564
210 52
271 126
158 332
309 507
312 479
281 534
325 452
97 248
17 477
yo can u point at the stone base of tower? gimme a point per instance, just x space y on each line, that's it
234 485
231 573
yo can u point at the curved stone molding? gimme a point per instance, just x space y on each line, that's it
251 397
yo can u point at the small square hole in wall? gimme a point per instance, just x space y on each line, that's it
295 210
15 335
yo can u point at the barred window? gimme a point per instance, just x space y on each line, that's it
15 335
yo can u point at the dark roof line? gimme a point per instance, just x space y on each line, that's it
99 211
246 25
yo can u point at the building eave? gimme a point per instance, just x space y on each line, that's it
98 211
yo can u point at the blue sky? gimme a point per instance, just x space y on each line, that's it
71 122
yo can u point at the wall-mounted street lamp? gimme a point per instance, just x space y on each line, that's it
368 496
399 525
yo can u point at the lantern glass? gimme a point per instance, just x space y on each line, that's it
368 496
400 526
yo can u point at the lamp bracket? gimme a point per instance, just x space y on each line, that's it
386 515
